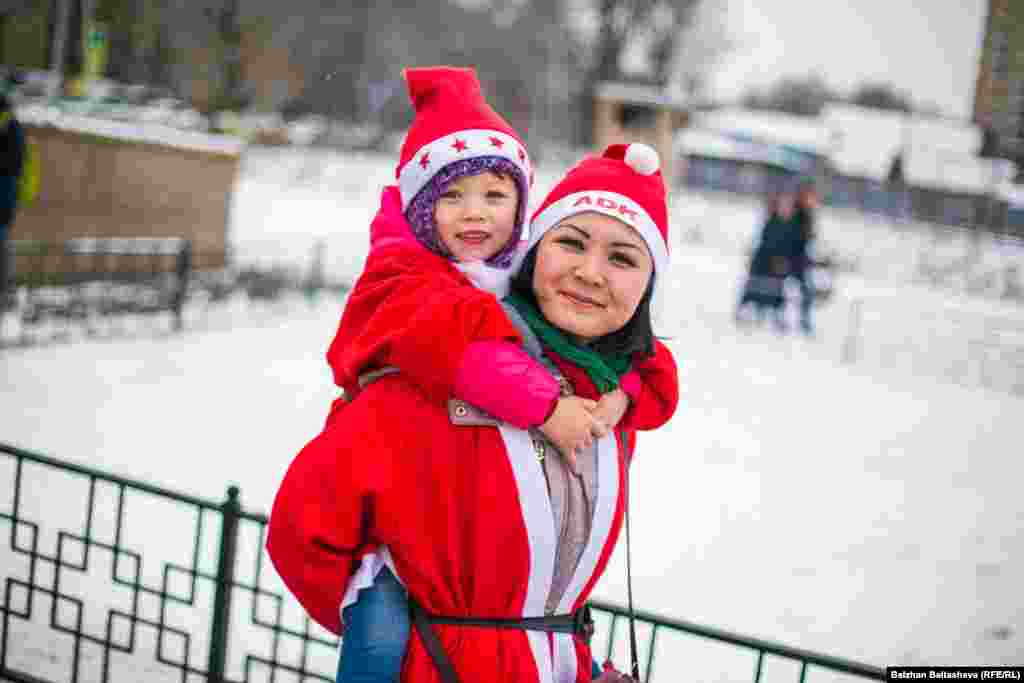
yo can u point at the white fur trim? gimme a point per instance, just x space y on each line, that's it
610 204
537 515
642 158
608 484
565 658
488 278
604 514
437 154
540 532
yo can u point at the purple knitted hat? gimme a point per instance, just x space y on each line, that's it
420 213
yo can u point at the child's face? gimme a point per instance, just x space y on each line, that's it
476 215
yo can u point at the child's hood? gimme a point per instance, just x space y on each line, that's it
389 227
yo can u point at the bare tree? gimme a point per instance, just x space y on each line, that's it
801 96
881 96
621 24
13 6
666 43
705 41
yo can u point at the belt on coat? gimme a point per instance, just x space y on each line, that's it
578 623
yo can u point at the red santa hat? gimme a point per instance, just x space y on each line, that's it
625 183
453 123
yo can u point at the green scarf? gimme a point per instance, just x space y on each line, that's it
604 370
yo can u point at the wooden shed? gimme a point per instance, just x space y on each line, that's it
103 178
632 112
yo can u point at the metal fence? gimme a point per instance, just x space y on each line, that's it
86 596
83 278
899 201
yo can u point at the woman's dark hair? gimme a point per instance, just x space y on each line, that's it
636 336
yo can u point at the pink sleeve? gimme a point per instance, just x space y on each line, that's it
501 379
631 384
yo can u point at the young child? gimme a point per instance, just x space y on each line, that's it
443 247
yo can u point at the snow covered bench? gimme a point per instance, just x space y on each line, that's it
86 277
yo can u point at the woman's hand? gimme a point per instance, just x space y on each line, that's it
612 407
572 427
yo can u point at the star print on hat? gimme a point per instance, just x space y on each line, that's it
453 123
625 183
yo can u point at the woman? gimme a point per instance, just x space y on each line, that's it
802 234
770 264
471 515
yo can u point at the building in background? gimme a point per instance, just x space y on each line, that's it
999 93
850 151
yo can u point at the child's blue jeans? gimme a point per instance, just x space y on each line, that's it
376 633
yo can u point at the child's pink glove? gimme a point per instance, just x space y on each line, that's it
389 226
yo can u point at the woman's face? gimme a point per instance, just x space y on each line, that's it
592 271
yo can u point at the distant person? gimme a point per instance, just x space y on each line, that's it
12 163
769 264
895 176
798 249
899 193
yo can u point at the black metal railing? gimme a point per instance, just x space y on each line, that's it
95 589
758 648
95 578
983 210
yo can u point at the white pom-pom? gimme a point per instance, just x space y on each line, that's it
642 158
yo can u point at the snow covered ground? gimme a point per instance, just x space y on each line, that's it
868 509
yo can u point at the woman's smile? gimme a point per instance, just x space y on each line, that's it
581 300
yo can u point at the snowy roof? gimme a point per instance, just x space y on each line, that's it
638 93
938 153
799 132
1012 194
709 143
134 131
862 142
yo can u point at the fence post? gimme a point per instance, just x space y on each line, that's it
183 269
850 343
220 629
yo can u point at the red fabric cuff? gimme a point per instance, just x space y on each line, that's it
631 384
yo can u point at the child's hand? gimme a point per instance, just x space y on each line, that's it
572 427
612 407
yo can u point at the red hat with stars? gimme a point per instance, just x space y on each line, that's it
453 123
625 183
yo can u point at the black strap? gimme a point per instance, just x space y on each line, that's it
579 623
635 665
433 644
574 624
